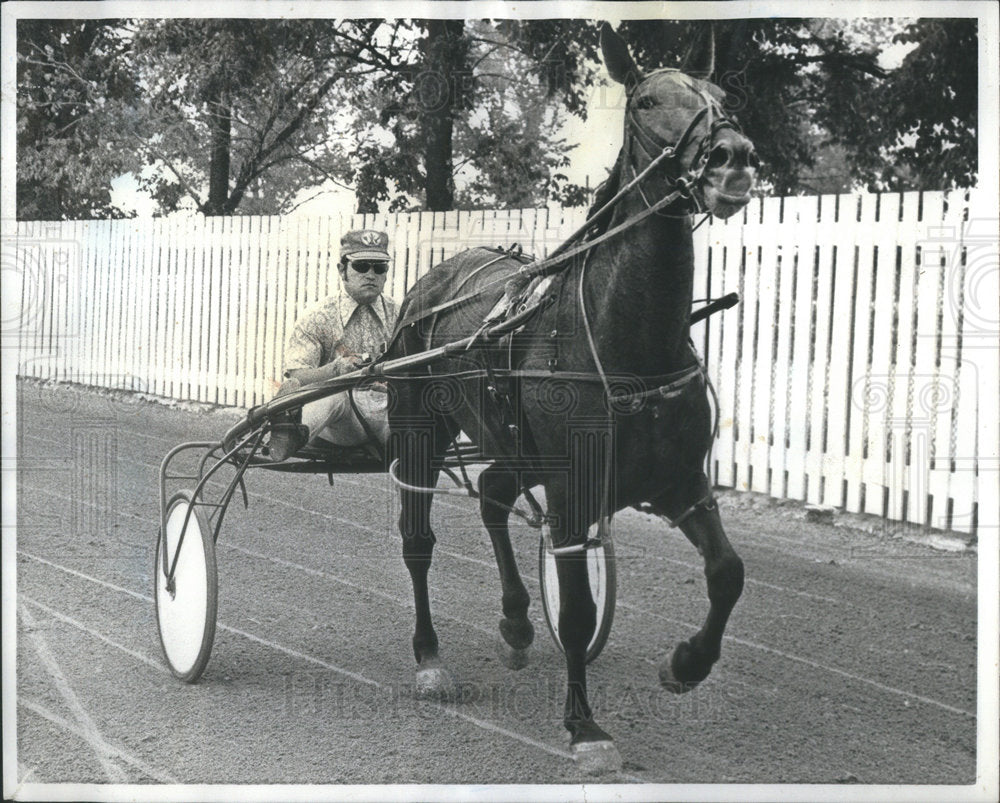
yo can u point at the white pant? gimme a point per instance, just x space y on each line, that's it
333 419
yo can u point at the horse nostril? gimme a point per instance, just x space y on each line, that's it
719 156
752 159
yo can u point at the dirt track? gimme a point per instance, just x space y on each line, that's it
850 658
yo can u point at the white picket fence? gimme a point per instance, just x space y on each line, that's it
848 375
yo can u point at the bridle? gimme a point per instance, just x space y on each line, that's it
660 151
679 187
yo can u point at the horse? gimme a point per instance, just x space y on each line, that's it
597 396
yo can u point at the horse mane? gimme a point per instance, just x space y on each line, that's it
605 191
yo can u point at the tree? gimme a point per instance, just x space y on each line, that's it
822 111
241 115
929 107
478 97
445 61
778 74
512 145
228 113
68 74
248 110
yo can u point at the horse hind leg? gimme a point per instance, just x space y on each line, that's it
692 660
499 488
415 449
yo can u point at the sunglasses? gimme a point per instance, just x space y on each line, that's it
363 266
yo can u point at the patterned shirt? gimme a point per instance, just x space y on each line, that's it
339 323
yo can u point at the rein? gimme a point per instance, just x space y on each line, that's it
684 184
659 151
561 255
679 187
654 145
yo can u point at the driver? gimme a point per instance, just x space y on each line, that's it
334 338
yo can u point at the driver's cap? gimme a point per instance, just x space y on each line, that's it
365 244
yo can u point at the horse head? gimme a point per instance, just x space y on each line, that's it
675 124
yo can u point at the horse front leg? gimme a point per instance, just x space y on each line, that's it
498 488
592 747
414 449
692 660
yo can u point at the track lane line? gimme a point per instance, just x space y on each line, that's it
116 752
438 549
281 561
345 479
88 728
458 507
82 576
288 564
473 720
734 639
813 664
141 657
23 774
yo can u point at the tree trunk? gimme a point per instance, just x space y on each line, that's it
437 92
218 171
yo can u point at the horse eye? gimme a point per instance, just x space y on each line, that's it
645 102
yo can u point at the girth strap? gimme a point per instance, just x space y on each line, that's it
662 385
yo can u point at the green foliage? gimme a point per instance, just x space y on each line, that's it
174 101
824 115
267 82
513 144
933 103
560 54
71 77
498 87
241 115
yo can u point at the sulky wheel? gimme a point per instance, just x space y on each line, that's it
601 570
186 608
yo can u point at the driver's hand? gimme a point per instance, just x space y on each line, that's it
346 363
288 386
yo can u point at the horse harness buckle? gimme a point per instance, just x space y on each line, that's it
707 502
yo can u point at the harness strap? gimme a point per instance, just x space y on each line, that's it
660 151
546 266
535 519
677 381
657 142
667 391
707 502
670 382
468 278
590 543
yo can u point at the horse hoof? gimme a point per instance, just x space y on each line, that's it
671 683
518 635
597 758
435 683
512 658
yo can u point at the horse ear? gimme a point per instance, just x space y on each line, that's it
621 66
699 60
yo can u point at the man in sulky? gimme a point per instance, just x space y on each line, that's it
333 338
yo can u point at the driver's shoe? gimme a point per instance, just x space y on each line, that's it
286 439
